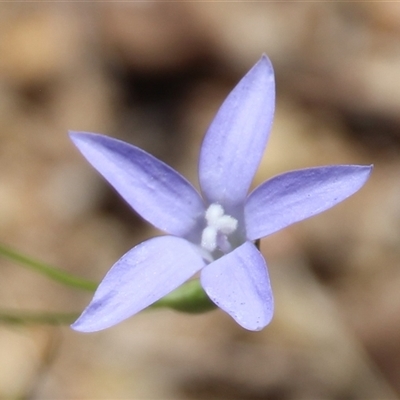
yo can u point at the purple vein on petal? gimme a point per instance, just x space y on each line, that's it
156 191
296 195
142 276
239 284
236 139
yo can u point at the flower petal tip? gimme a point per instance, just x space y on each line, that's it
89 321
74 134
81 326
264 66
77 137
85 329
258 323
366 171
75 326
265 60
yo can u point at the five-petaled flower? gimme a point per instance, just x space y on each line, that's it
213 232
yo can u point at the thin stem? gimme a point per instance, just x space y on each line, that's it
30 317
48 270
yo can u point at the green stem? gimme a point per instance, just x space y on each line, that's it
30 317
48 270
190 298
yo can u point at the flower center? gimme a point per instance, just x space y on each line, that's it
219 226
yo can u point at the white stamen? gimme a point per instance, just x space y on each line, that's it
226 224
209 238
213 213
218 227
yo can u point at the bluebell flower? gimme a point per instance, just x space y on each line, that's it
214 232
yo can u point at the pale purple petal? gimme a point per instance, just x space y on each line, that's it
142 276
296 195
157 192
236 138
238 283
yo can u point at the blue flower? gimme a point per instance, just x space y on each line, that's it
214 232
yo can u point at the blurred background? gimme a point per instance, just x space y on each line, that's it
154 74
